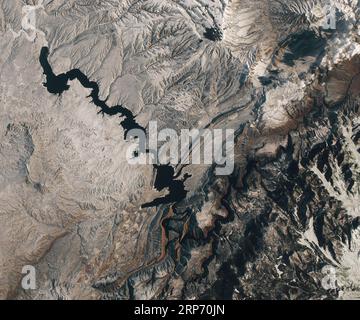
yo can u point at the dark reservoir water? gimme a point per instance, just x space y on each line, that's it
58 84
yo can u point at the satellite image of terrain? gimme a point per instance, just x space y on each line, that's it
103 196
